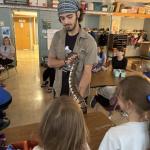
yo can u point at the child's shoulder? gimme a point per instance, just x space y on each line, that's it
128 127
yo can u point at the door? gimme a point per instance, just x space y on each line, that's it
22 32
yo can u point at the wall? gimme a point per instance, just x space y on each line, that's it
46 16
5 16
132 23
52 16
91 21
104 22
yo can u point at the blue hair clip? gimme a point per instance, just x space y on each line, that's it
148 98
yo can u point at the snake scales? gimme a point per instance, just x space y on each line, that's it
73 86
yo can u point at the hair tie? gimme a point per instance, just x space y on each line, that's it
148 98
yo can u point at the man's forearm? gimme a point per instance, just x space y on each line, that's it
55 63
85 80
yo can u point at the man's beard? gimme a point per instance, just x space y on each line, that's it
69 28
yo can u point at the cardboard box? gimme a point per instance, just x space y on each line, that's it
42 3
33 2
133 10
124 10
54 3
147 10
117 6
141 10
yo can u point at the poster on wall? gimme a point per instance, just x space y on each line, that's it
5 31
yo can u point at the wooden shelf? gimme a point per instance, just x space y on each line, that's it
118 14
131 15
135 1
96 13
26 7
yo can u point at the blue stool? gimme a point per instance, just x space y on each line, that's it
5 100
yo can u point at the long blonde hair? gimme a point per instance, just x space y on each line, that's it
63 126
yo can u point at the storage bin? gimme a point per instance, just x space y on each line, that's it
141 10
105 8
33 2
42 3
90 6
97 6
147 10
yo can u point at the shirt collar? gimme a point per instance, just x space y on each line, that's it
82 33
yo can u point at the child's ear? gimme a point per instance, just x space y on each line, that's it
129 105
147 115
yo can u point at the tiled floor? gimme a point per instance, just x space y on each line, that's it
29 100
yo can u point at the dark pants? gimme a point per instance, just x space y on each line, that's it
49 73
102 100
5 62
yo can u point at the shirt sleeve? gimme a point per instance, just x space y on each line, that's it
109 142
91 57
52 50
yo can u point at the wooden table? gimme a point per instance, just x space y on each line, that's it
97 124
104 78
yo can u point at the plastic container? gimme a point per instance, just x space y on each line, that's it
97 6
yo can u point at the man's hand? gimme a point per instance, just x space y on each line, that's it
71 58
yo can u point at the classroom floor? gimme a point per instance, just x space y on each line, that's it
29 99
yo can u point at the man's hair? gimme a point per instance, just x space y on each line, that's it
121 49
63 126
81 15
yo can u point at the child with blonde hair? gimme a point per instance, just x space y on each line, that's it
63 126
133 97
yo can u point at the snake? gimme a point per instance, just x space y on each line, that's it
73 86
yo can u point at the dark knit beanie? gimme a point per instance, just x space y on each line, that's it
68 6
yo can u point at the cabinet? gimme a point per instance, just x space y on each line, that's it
117 40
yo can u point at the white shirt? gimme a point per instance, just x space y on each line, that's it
128 136
7 51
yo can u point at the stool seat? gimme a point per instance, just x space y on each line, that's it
5 98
